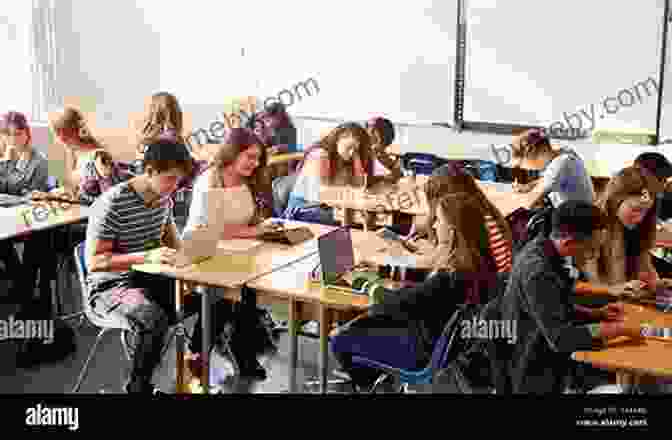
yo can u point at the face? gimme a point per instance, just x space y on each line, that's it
634 208
247 161
16 137
165 182
347 146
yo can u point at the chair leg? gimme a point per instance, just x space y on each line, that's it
92 352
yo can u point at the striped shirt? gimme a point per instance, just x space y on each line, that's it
120 215
499 247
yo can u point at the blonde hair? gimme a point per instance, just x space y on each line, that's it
164 114
72 123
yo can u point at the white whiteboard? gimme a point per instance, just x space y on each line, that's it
366 56
535 62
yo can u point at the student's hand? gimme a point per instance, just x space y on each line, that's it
161 255
11 152
648 280
612 312
627 328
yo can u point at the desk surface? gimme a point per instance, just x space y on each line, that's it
233 269
13 222
649 356
408 196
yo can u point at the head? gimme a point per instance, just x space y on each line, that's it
381 131
442 186
531 150
15 131
272 121
70 128
573 227
629 201
166 162
346 139
164 114
655 164
241 155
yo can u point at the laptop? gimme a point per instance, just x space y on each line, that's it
337 258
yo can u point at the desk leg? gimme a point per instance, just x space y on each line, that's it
180 386
325 324
293 343
205 327
627 382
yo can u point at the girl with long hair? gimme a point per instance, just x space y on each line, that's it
471 263
342 157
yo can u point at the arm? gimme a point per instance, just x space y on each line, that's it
545 302
39 179
105 230
89 184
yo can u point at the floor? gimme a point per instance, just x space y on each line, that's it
109 366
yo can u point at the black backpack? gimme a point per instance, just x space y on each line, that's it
528 224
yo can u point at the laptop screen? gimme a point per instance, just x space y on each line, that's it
336 254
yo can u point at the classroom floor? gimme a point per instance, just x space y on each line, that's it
108 368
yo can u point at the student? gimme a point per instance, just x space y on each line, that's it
564 175
381 131
342 157
164 121
471 263
22 170
275 129
238 170
629 203
538 299
71 129
100 174
125 228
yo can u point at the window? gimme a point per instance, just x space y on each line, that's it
16 87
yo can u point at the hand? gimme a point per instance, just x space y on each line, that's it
11 152
648 280
626 328
161 255
267 228
613 312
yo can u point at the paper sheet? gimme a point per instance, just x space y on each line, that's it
238 245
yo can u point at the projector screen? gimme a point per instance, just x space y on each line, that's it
588 64
348 59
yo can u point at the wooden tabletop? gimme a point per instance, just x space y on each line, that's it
648 356
408 196
232 268
19 220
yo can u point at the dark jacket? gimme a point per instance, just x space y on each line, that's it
538 298
428 306
17 180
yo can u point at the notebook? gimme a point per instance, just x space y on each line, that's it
337 258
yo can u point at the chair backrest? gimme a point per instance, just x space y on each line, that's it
82 272
449 336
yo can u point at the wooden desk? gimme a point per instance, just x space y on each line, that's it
231 272
405 197
635 360
308 302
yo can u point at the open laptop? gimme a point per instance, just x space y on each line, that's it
337 257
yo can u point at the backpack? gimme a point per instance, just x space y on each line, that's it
36 351
528 224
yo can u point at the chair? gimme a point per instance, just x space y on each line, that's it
424 376
104 322
282 187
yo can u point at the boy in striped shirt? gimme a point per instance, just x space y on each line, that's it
125 228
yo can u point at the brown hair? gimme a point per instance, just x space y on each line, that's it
164 114
239 140
438 187
329 143
72 123
530 144
630 181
